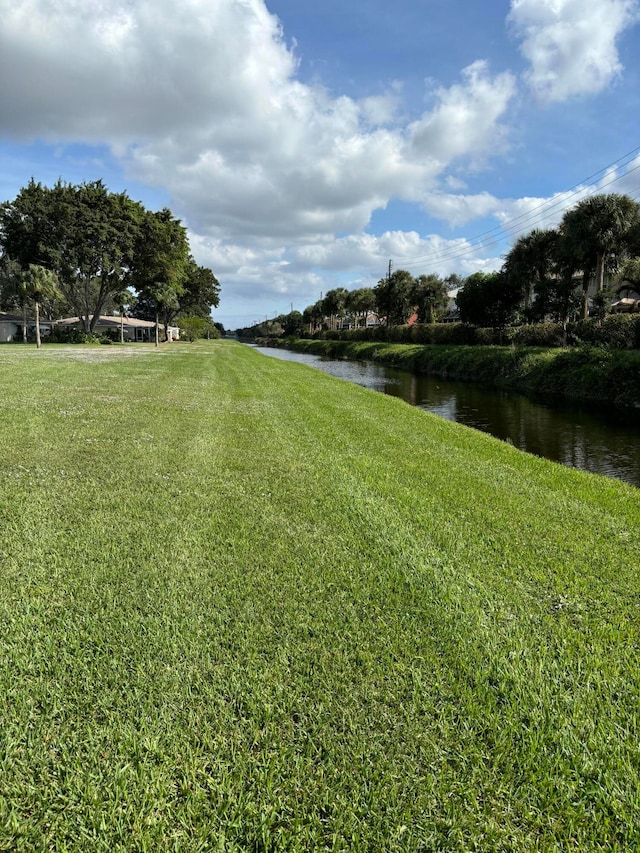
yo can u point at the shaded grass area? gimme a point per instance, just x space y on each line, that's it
590 374
245 606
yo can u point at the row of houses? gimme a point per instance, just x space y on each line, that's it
133 330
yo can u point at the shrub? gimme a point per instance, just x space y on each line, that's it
621 331
488 337
66 335
112 336
538 335
617 331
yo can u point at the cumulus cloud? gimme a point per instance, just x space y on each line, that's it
458 209
112 70
571 44
465 117
205 103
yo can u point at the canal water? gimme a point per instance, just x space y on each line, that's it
604 441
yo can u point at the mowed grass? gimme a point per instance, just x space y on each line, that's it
245 606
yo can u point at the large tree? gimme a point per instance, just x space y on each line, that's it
598 230
13 290
529 263
360 303
394 297
334 304
429 297
10 274
161 264
199 292
84 234
313 315
487 299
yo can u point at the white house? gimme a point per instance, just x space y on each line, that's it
10 328
132 328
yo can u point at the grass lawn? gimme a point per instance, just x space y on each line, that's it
245 606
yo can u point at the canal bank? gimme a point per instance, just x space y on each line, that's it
610 377
600 439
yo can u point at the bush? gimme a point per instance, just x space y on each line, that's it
193 328
489 337
66 335
622 331
539 335
617 331
112 336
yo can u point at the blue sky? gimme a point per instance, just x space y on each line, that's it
305 144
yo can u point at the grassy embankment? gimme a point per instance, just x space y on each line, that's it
245 606
591 374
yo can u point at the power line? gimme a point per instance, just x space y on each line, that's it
550 206
575 190
452 254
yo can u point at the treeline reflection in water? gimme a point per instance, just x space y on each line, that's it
602 441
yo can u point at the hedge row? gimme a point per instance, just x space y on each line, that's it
617 331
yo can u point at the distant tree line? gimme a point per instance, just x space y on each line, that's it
85 251
556 274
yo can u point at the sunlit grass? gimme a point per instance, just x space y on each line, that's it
245 606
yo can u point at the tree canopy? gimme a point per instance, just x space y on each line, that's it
98 244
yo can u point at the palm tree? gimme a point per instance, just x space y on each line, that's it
39 284
429 295
528 264
360 302
123 298
393 297
334 304
598 230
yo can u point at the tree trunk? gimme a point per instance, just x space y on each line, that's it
38 342
24 322
600 273
156 328
585 289
122 327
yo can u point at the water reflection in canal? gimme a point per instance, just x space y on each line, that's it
602 441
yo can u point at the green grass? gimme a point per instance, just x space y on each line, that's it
245 606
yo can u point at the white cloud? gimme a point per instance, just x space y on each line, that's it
379 110
571 44
204 102
458 209
279 278
465 119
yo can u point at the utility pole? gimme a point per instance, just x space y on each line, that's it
389 286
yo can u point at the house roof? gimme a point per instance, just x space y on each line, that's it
110 320
626 304
13 318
